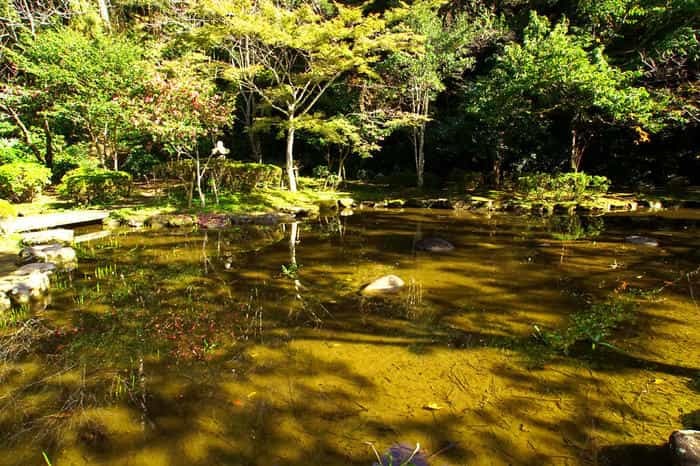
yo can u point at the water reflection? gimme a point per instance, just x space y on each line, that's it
253 346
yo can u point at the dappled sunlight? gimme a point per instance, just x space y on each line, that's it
198 347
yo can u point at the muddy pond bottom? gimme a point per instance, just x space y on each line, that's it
253 346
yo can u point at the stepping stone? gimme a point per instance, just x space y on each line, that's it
58 235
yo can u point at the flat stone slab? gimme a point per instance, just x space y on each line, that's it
48 221
92 236
58 235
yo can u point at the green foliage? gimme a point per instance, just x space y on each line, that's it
552 75
573 186
70 158
7 210
23 181
592 325
290 271
12 151
227 174
90 185
574 227
86 80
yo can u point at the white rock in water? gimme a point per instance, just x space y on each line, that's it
21 294
58 235
642 240
385 284
55 253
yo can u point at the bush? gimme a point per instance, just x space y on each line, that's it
563 186
23 181
70 158
229 175
140 163
12 151
88 185
7 210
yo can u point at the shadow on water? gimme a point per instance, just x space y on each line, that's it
199 348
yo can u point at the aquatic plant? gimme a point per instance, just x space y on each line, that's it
291 270
594 324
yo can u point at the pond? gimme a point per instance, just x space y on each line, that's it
253 346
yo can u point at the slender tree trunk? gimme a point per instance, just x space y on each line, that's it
199 175
48 157
576 153
419 152
25 132
104 14
293 236
290 157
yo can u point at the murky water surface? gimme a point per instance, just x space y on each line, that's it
252 346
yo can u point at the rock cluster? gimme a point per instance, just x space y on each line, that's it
29 282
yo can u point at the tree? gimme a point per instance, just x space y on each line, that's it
448 44
552 75
186 113
290 55
85 81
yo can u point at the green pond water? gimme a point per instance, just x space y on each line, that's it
252 346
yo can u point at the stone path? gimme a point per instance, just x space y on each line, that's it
46 221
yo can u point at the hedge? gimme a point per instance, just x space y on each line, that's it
88 185
23 181
229 175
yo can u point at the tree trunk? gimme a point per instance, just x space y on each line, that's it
48 157
576 152
104 14
198 174
290 157
419 152
293 236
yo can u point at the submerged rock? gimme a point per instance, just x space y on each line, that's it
434 245
213 221
642 240
403 454
385 284
685 448
394 203
24 285
56 253
58 235
440 204
416 203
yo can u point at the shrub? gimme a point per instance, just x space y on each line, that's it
88 185
70 158
140 163
563 186
12 151
23 181
237 176
7 210
229 175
